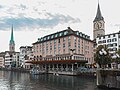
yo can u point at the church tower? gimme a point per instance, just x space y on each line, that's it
12 43
98 24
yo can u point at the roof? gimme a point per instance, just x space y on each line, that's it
2 54
98 15
108 34
12 37
63 33
26 47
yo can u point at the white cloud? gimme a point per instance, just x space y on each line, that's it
39 15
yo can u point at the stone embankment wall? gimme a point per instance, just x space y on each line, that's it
108 78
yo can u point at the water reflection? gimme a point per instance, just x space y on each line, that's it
67 82
25 81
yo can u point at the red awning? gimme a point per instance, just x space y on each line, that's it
56 61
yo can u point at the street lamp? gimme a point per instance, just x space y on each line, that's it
116 56
102 53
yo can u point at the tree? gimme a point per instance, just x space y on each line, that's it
117 60
104 59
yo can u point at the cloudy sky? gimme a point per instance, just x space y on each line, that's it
33 19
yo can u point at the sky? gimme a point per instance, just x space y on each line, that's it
33 19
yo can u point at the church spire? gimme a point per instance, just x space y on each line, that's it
12 37
12 43
98 15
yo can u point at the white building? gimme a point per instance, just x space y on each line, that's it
111 40
11 59
25 55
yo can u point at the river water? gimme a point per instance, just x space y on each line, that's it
24 81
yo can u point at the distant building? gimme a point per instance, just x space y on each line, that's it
111 40
11 59
64 51
2 59
26 54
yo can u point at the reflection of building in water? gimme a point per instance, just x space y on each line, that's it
63 52
59 81
65 82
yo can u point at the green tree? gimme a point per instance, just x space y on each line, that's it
117 60
104 59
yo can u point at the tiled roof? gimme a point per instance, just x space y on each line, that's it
63 33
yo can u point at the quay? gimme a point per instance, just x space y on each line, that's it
108 78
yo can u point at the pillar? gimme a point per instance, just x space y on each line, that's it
66 67
72 67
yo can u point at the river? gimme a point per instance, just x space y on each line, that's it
24 81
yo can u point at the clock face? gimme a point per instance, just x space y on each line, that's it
97 25
100 24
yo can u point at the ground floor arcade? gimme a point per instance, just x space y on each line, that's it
61 67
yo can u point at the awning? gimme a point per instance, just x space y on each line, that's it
56 61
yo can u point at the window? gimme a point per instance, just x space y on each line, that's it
99 37
114 39
114 44
48 37
109 40
56 35
52 36
58 40
44 38
63 45
61 34
54 41
104 41
99 42
119 36
64 39
77 33
113 35
80 34
65 33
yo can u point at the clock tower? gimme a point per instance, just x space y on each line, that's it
98 24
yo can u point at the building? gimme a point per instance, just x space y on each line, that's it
63 51
111 40
26 54
11 57
98 24
2 59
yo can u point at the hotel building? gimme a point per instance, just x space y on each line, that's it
63 52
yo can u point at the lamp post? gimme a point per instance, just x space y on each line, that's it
116 56
102 53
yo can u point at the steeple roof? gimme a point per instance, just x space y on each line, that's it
98 15
12 37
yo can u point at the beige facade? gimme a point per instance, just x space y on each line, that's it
63 45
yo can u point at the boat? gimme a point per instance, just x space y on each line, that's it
36 71
56 74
